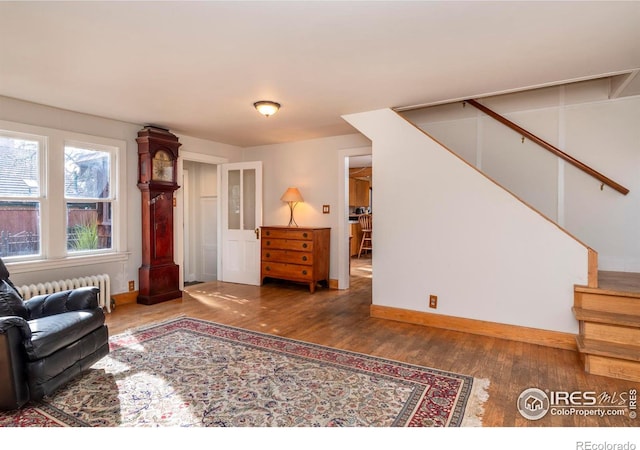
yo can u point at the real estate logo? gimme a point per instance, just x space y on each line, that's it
533 404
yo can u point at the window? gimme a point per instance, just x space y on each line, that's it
20 195
59 197
87 181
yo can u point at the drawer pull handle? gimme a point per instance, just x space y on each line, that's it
268 255
267 268
304 235
304 258
268 242
268 233
304 272
304 245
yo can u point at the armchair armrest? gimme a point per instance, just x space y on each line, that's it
14 333
59 302
10 322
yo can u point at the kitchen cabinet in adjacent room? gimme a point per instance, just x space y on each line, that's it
359 192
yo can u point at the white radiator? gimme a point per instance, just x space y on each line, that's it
99 281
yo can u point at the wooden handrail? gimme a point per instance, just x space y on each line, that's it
544 144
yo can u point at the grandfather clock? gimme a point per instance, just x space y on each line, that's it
159 276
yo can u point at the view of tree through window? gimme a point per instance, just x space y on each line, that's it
88 197
20 196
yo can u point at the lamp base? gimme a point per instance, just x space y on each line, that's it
292 222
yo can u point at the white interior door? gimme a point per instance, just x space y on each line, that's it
187 263
209 238
241 207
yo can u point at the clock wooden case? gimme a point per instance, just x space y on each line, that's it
159 276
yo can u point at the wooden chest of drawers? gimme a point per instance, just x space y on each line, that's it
295 254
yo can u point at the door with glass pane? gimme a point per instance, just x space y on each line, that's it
241 218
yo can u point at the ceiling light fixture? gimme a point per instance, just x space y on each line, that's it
267 108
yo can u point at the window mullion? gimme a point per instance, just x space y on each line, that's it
54 215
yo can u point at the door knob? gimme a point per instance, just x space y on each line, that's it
257 231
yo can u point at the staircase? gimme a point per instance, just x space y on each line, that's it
609 316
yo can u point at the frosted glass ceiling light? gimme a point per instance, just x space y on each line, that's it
267 108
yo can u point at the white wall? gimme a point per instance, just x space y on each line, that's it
581 120
443 228
222 152
19 111
312 167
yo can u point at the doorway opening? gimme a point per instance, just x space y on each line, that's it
360 215
200 227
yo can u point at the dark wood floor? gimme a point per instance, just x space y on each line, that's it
340 318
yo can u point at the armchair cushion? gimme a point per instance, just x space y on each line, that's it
11 304
52 333
61 302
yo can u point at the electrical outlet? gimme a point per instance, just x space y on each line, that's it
433 301
132 285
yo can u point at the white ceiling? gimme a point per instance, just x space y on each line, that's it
197 67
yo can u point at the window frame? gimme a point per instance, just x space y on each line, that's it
53 206
111 198
41 198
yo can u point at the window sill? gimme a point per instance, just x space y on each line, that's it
70 261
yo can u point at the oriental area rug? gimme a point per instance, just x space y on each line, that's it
193 373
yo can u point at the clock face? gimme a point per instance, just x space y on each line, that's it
162 167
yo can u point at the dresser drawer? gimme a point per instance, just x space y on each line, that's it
287 271
288 234
286 244
286 256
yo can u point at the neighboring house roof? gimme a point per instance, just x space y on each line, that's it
18 174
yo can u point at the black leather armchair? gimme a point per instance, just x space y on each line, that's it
46 341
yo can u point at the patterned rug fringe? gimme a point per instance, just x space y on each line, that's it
475 407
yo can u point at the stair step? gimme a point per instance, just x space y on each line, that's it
607 332
594 299
607 291
626 352
590 315
612 367
609 315
619 281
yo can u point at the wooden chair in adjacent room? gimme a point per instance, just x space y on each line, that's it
366 225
